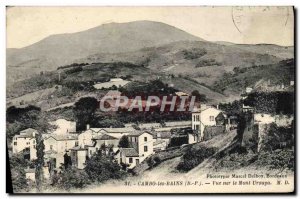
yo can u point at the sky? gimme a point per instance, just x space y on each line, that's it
244 25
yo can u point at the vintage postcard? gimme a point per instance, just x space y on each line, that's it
150 100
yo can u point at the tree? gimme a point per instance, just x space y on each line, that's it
38 121
101 167
17 166
73 178
124 142
107 123
84 111
199 97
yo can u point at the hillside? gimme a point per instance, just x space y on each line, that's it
234 82
149 50
78 81
181 58
63 49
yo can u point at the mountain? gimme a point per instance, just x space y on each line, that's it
62 49
173 58
164 50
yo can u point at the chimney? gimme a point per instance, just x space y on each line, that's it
217 106
87 127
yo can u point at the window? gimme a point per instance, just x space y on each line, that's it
15 143
198 117
90 152
76 143
130 160
34 146
211 118
197 127
145 148
33 141
51 147
145 139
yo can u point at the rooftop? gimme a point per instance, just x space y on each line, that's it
63 137
104 137
27 133
129 152
138 133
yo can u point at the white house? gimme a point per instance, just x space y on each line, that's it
210 116
25 142
142 147
194 136
57 145
118 82
86 137
102 140
128 156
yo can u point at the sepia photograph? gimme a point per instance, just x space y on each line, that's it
150 99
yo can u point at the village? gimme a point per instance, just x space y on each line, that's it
135 143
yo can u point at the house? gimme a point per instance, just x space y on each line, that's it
103 140
180 93
194 136
141 147
25 142
117 82
79 156
142 141
210 116
57 145
86 137
159 145
161 140
128 156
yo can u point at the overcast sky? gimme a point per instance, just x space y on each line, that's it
272 25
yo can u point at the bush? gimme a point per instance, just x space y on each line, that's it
279 159
18 176
208 62
193 157
157 160
194 53
150 162
73 178
101 168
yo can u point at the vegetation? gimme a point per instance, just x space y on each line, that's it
17 166
232 108
194 53
241 78
84 111
73 178
199 97
279 102
276 152
208 62
102 166
124 142
193 157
